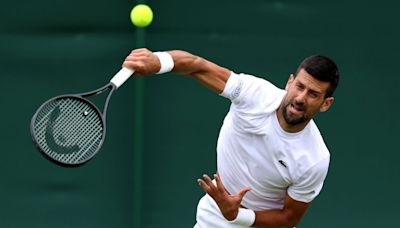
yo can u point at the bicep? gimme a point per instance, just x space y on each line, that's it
205 72
294 209
212 76
289 216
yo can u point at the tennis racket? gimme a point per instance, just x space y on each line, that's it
69 129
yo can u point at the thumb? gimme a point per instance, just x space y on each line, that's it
243 191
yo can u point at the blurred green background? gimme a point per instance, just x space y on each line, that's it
49 48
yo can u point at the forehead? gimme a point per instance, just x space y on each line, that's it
310 82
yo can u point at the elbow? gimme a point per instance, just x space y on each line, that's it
290 220
199 65
276 219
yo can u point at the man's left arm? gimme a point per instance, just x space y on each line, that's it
289 216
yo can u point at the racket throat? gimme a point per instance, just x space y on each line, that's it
99 96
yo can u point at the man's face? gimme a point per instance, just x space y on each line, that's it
304 99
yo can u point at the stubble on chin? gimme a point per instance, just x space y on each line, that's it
291 120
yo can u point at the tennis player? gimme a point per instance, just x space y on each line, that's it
271 158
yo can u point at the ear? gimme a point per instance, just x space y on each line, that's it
289 82
326 105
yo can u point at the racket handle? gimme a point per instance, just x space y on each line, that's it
120 77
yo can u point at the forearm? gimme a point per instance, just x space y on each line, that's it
207 73
275 219
289 216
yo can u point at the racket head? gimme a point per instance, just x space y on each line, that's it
68 130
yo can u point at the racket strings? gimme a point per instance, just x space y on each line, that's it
68 126
75 129
69 130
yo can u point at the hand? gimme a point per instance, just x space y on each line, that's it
143 61
228 204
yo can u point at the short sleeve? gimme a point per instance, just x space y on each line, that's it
310 183
249 93
233 87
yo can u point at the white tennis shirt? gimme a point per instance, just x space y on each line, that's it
254 151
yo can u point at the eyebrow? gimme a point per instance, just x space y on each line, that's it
311 90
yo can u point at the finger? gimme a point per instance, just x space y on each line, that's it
139 50
128 64
137 66
220 186
135 57
209 182
131 58
243 191
203 185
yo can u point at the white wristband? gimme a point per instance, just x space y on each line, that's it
167 63
245 217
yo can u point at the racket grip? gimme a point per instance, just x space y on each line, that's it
121 77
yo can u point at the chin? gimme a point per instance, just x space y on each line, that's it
293 121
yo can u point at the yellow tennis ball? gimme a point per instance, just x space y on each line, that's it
141 15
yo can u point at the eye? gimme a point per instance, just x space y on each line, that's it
313 95
300 86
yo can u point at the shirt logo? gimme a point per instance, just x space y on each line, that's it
238 89
283 163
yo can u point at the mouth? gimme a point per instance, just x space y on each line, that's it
296 109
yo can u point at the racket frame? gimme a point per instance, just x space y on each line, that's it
80 96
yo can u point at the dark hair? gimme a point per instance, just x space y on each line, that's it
323 69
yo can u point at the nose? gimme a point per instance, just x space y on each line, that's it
301 97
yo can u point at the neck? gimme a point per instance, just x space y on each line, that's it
289 127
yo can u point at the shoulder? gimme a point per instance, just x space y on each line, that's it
252 94
319 146
242 86
312 164
312 154
307 186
